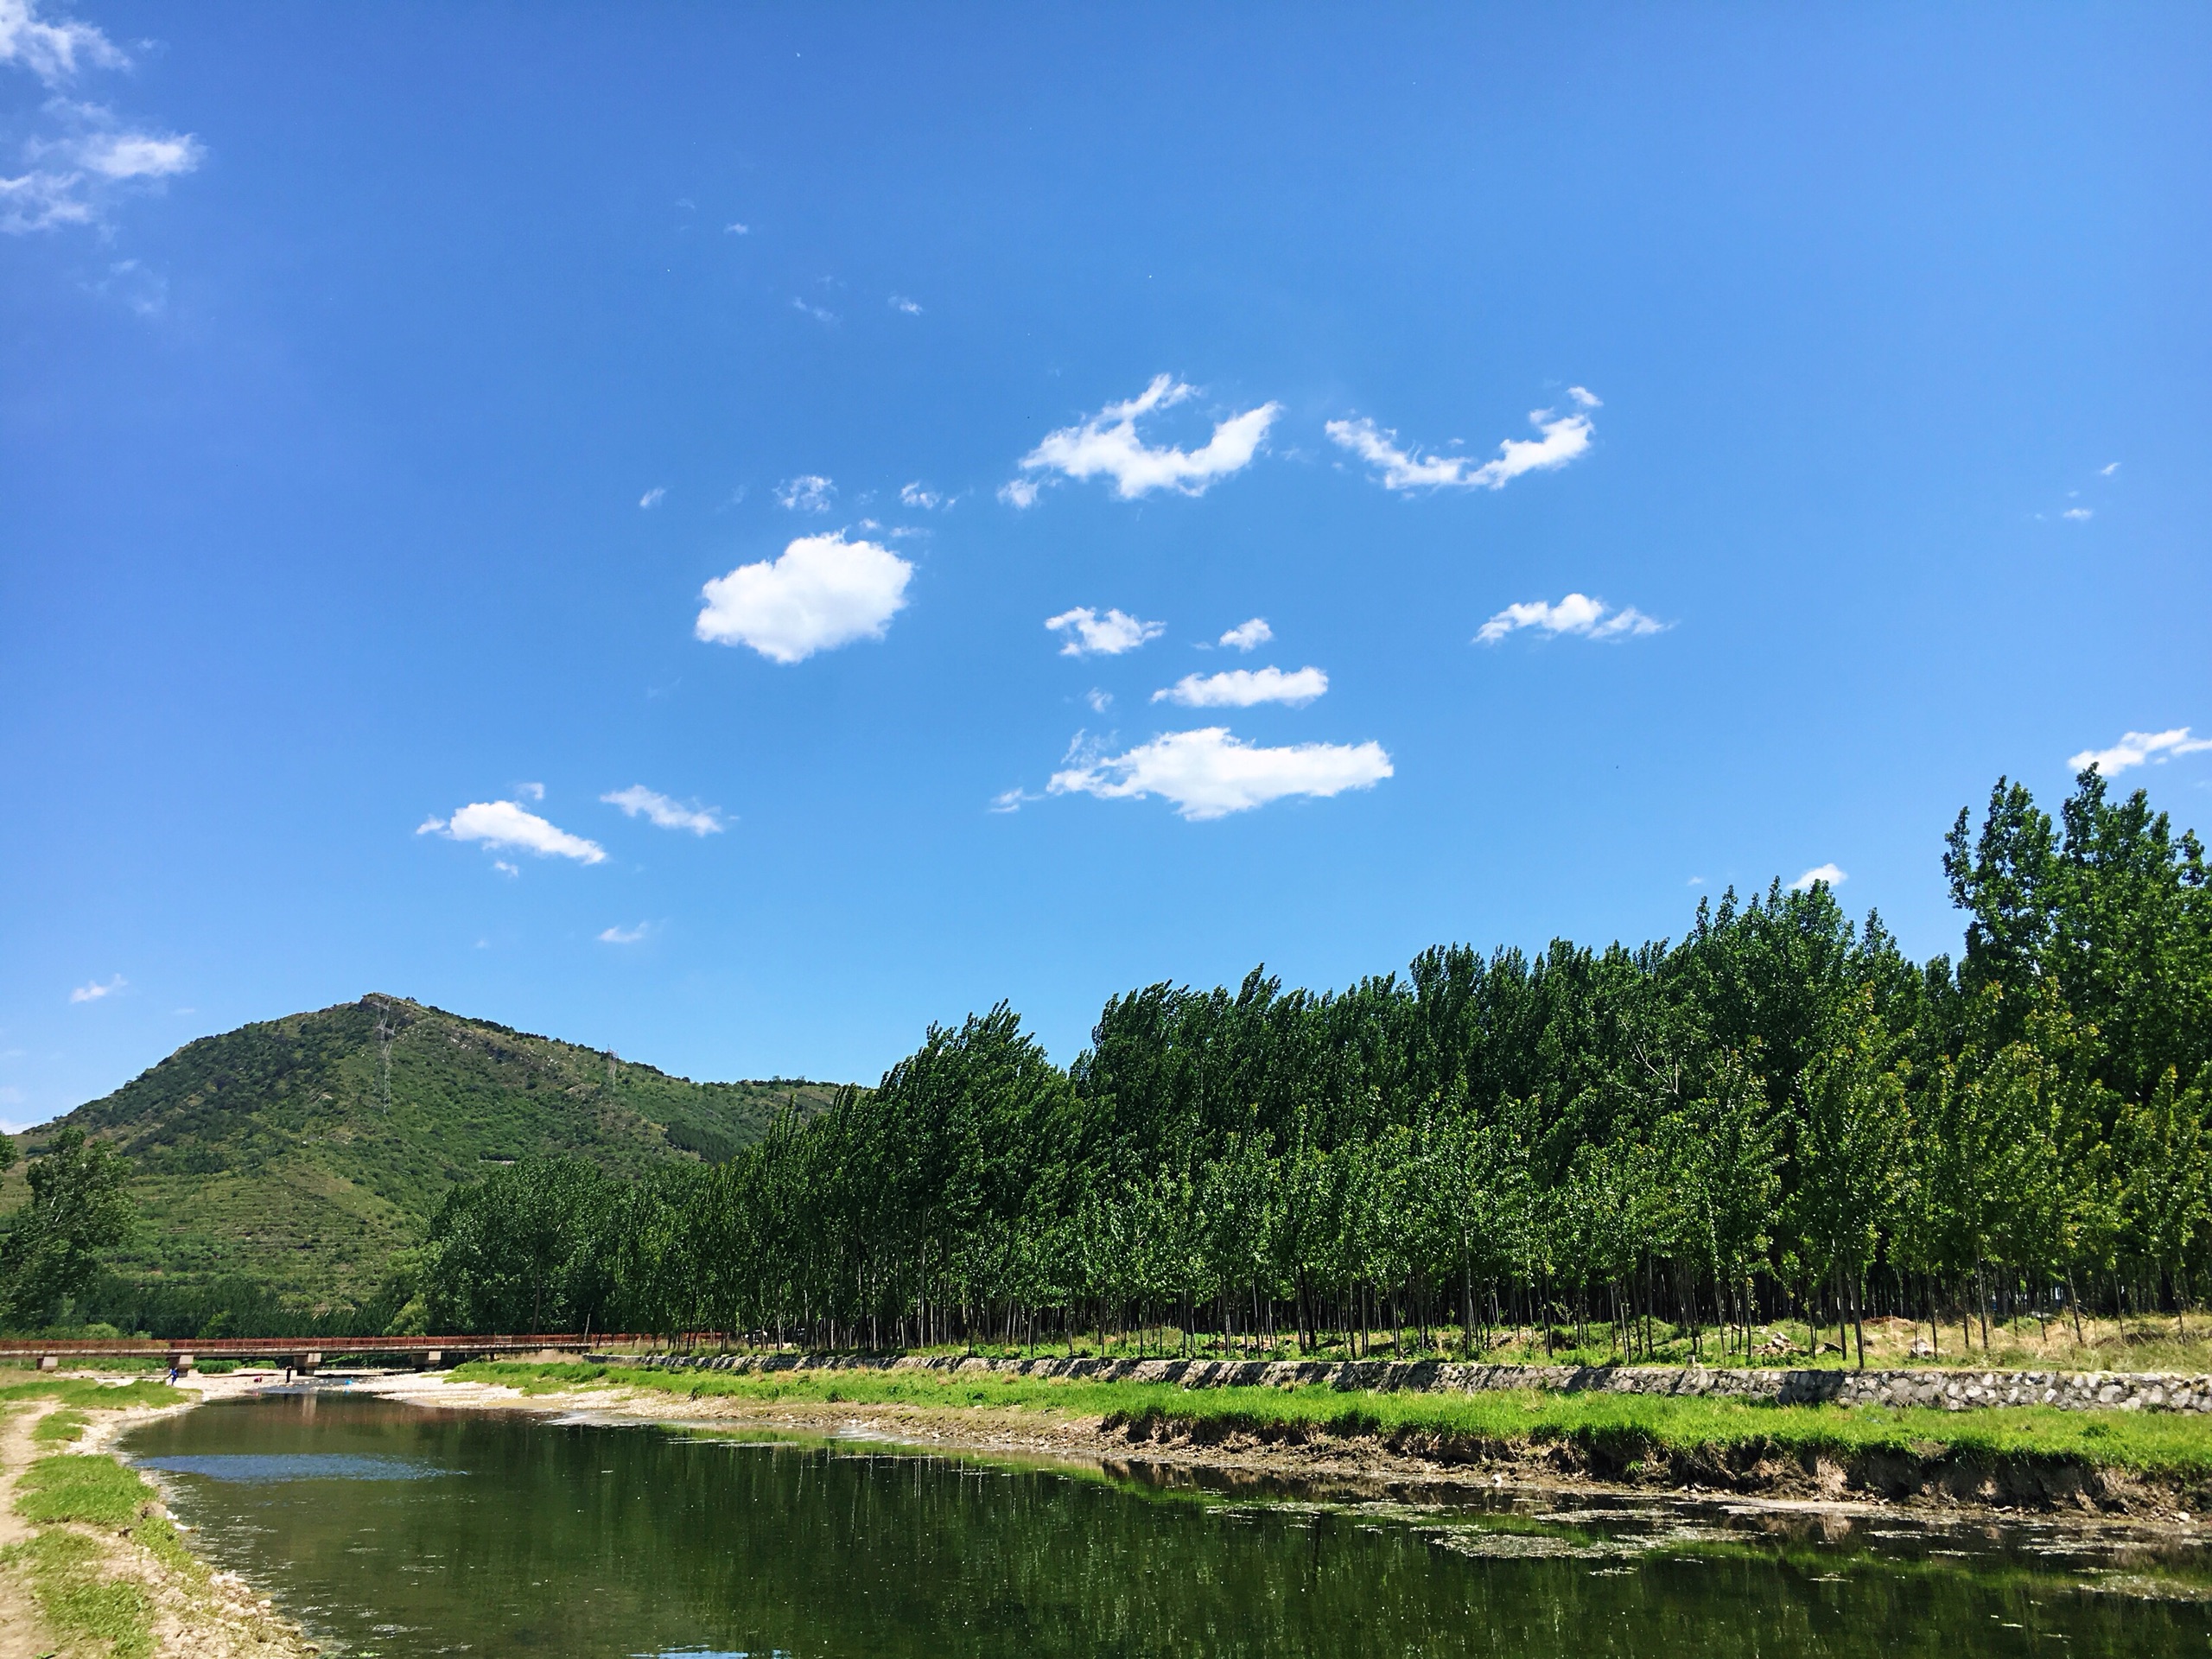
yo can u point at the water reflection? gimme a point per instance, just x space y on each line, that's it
584 1538
261 1468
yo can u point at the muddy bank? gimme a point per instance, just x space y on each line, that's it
1949 1478
1407 1462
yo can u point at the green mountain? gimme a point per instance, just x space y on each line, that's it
302 1153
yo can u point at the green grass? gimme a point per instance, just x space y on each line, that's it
58 1426
65 1572
1623 1428
83 1391
96 1491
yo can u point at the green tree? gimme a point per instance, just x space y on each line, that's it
77 1210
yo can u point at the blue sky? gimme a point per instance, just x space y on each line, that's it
523 507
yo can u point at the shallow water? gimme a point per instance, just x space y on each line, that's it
393 1530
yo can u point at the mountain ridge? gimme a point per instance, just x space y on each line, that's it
305 1152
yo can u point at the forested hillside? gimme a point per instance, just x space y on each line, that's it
296 1161
1779 1109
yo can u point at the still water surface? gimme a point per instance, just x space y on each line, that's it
393 1530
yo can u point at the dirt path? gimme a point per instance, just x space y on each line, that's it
23 1633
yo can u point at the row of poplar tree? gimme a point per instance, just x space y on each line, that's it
1779 1114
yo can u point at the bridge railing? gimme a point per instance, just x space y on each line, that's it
303 1352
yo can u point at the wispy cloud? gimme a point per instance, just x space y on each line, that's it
145 291
823 592
1099 700
1577 613
1208 774
917 494
1249 636
1106 445
734 228
504 824
1011 800
2136 748
75 178
1093 635
1564 437
808 492
2108 470
53 52
820 314
1241 688
638 801
98 989
653 496
76 169
625 935
1819 876
901 302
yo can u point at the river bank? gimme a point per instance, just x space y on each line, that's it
2154 1470
90 1562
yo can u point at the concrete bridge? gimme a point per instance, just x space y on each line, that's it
304 1353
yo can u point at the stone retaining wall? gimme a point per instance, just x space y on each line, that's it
1949 1390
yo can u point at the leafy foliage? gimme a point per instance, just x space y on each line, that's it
1777 1111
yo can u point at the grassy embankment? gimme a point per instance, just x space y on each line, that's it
79 1506
1615 1431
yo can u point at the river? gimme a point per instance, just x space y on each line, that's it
390 1529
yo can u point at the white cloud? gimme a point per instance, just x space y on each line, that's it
139 154
2136 747
1093 635
1010 800
735 229
820 314
901 302
1241 688
2079 514
2106 472
1249 636
535 792
503 823
824 591
638 801
625 935
653 496
75 176
52 51
1820 873
1565 437
1577 613
915 495
808 492
506 868
1210 774
1100 701
97 990
1107 445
